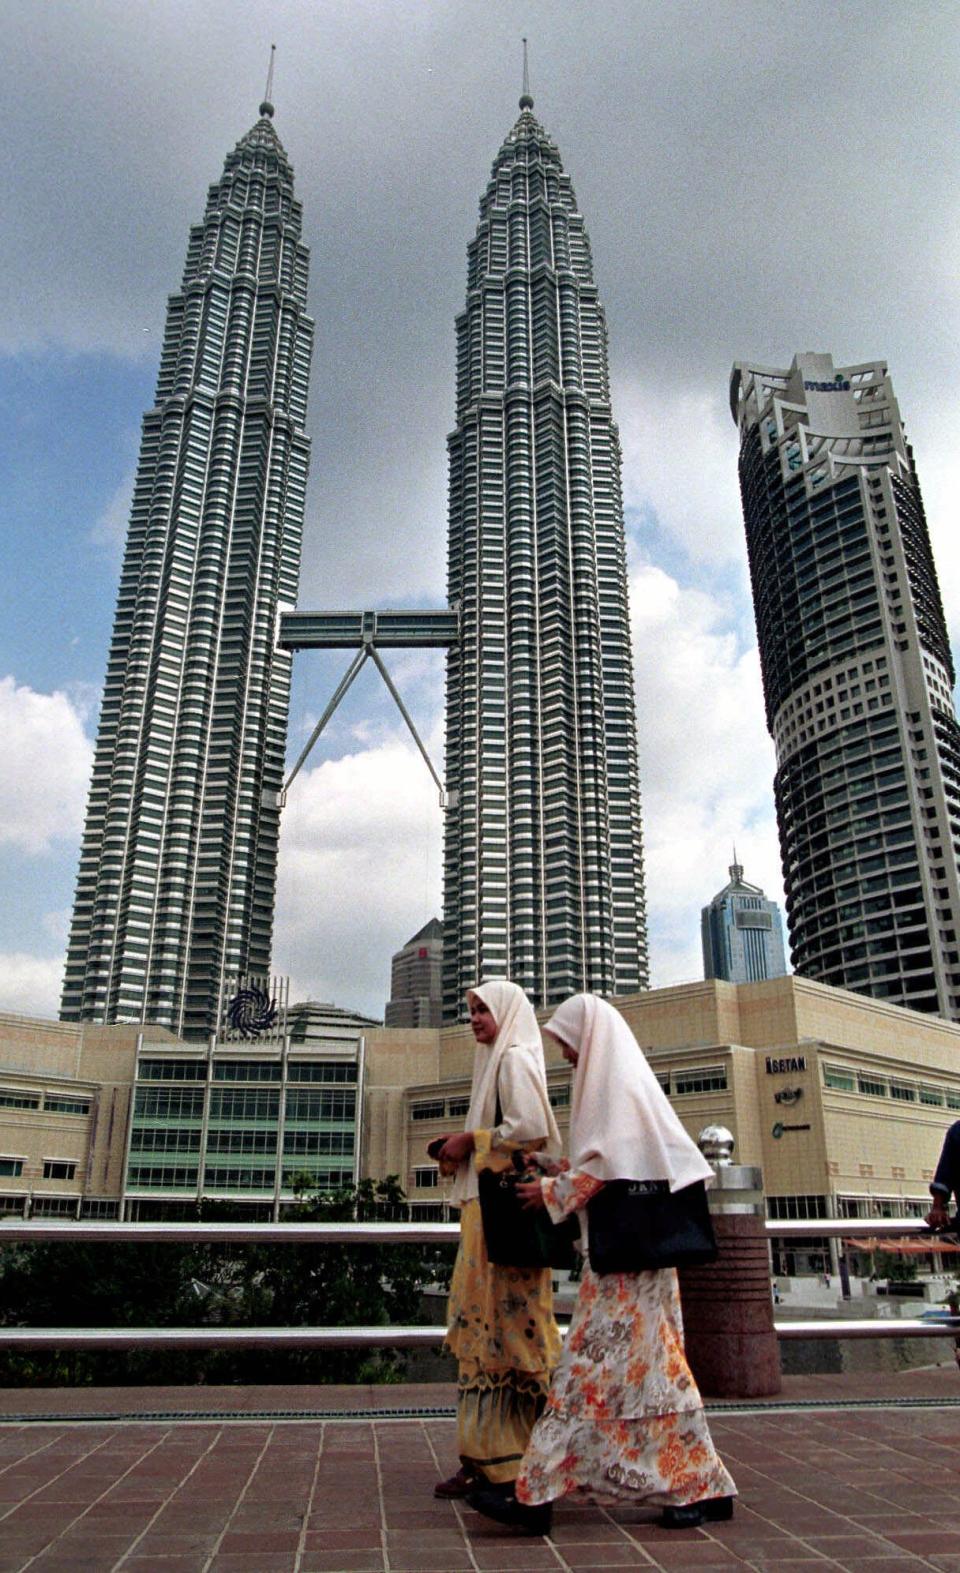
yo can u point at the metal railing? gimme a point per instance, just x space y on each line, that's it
214 1337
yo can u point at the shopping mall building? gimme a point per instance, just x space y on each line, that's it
842 1100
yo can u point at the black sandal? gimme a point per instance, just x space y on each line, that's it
500 1503
457 1485
714 1510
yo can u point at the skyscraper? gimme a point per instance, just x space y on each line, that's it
857 678
543 871
742 933
177 870
415 980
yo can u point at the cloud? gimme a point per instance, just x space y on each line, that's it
706 763
359 873
680 468
47 764
110 528
30 985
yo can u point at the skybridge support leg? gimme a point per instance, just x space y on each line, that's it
339 693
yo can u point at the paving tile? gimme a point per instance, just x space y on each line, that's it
163 1565
924 1542
335 1562
266 1562
595 1529
515 1554
887 1564
252 1542
343 1539
599 1554
158 1542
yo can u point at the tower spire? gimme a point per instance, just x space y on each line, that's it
526 98
266 108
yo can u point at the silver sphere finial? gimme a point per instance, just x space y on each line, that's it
717 1144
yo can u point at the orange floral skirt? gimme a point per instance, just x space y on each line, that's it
624 1418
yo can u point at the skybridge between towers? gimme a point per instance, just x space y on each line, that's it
367 633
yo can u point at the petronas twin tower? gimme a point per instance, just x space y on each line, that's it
543 864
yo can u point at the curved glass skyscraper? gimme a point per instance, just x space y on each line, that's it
543 863
177 872
857 678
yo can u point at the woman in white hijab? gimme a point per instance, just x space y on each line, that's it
501 1326
624 1418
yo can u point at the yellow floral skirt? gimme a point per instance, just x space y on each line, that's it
504 1338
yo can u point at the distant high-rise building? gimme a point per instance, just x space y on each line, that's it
857 678
416 998
543 871
742 933
175 892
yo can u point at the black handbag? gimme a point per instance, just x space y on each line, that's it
638 1225
518 1236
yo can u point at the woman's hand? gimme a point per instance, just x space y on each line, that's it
552 1165
456 1148
938 1217
530 1194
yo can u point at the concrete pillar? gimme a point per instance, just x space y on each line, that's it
727 1306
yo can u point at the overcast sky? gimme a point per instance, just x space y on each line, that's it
756 178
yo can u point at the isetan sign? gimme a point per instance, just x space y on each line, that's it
785 1067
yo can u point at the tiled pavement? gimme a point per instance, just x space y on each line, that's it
828 1488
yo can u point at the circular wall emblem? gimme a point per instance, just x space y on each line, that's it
251 1011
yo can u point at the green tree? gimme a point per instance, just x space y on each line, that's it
59 1283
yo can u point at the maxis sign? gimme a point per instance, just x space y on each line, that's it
838 385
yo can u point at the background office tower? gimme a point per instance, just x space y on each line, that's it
857 679
741 932
543 863
177 871
415 982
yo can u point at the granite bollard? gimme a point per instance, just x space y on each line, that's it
728 1306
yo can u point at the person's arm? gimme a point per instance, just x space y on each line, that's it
457 1147
560 1194
946 1180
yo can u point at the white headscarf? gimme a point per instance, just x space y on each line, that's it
513 1065
622 1126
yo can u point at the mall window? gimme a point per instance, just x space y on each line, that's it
707 1078
98 1207
58 1169
840 1080
873 1086
457 1107
560 1096
903 1091
434 1110
55 1207
11 1167
931 1096
66 1105
247 1070
327 1070
19 1100
237 1179
797 1207
426 1178
172 1070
